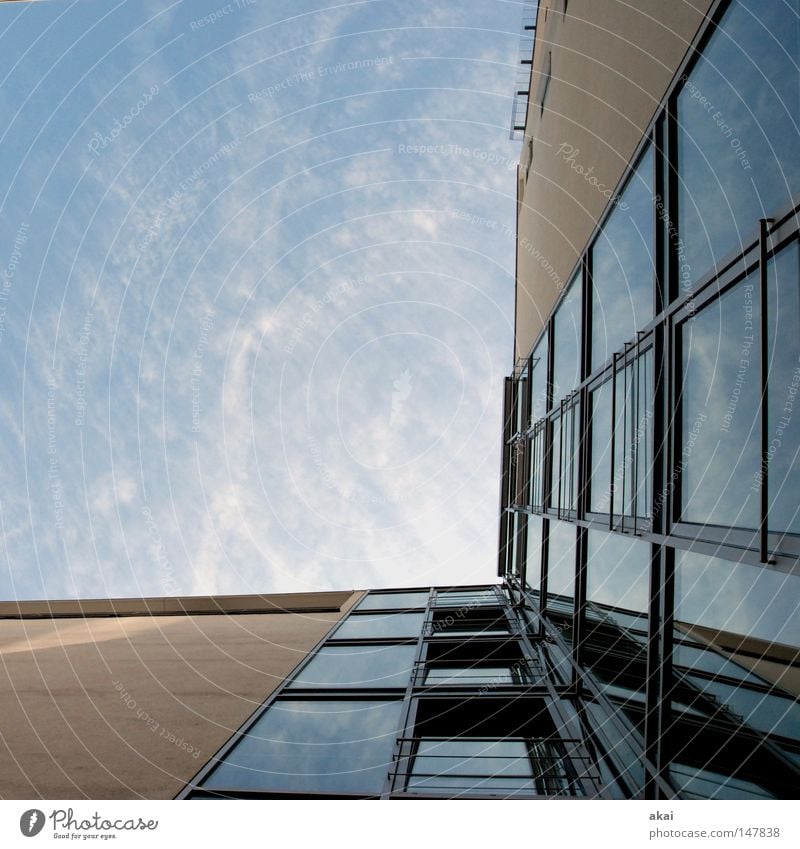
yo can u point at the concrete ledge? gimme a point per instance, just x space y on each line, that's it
325 602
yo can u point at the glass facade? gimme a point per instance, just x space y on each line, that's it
657 538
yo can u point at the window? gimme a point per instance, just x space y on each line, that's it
499 662
623 272
538 372
738 151
358 666
484 620
720 393
466 598
386 601
562 550
568 333
566 442
361 626
618 571
314 746
487 747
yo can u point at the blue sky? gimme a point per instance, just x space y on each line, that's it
257 293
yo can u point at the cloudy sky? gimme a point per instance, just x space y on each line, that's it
256 293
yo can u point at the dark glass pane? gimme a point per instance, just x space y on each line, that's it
462 765
701 659
358 626
466 598
358 666
737 598
694 783
567 344
784 384
328 746
379 601
622 267
772 714
720 454
497 674
738 142
618 571
562 545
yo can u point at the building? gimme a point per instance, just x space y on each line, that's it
127 698
643 639
649 505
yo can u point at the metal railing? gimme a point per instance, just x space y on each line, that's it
522 83
548 767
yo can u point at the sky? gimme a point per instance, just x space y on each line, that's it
256 293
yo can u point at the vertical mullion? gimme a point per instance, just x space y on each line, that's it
763 237
613 440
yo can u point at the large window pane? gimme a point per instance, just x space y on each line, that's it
360 626
720 454
562 546
622 267
567 344
329 746
738 142
737 598
382 601
618 571
358 666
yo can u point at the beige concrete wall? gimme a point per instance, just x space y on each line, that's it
132 706
610 64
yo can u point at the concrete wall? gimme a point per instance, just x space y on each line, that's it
132 706
610 63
